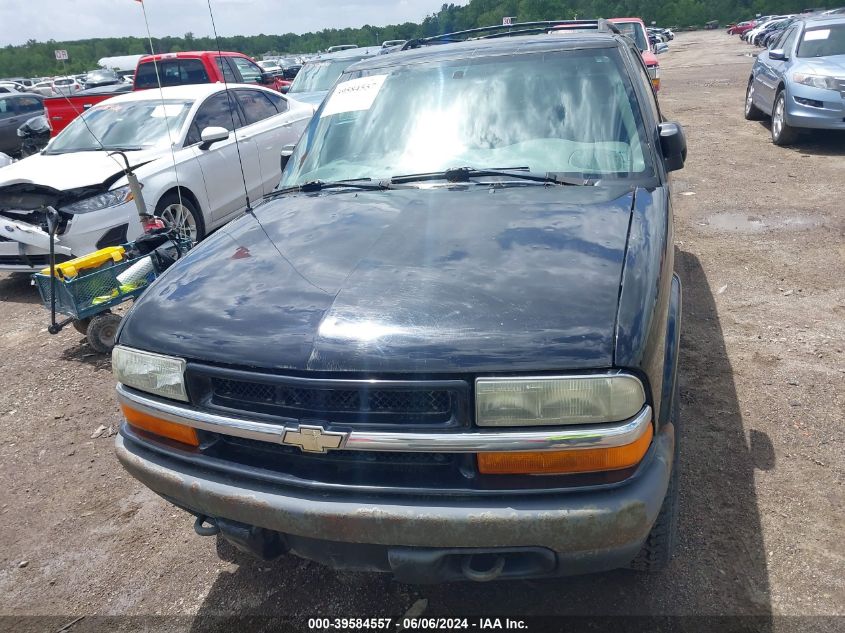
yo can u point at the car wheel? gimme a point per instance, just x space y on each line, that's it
782 134
752 112
182 215
102 331
659 546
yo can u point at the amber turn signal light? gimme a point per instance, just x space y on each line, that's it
586 460
157 426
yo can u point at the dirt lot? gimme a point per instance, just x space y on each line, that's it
759 239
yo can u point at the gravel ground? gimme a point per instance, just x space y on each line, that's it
759 240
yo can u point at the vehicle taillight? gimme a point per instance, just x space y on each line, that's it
654 74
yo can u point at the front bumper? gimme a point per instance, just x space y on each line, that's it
830 116
583 531
82 235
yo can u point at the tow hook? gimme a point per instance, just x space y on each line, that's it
492 567
206 530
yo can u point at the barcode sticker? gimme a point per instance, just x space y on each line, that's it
353 95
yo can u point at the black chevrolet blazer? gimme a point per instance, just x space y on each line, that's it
446 346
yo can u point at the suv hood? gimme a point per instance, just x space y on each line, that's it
465 279
64 172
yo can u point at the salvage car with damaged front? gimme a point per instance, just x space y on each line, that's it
180 142
446 346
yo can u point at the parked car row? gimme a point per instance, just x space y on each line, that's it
799 80
766 29
167 69
658 35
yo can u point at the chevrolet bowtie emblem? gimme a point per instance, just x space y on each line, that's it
313 439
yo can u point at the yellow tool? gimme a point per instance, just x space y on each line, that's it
71 268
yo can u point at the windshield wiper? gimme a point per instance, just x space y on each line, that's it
463 174
319 185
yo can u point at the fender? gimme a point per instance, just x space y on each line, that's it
672 347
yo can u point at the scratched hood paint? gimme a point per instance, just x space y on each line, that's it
462 280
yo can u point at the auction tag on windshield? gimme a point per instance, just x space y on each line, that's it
818 34
355 94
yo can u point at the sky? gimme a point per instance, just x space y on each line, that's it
42 20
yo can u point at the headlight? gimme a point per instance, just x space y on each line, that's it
101 201
557 400
816 81
653 72
153 373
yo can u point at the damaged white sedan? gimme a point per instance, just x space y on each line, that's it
183 143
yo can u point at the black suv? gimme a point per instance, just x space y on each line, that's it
446 347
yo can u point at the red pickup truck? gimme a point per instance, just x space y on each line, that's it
635 29
173 69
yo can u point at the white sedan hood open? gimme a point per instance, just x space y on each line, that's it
64 172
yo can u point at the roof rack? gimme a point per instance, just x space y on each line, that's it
513 30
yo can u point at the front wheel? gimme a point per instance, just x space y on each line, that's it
782 133
659 546
752 112
182 214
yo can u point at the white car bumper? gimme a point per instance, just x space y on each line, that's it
25 247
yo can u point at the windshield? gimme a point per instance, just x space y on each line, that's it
100 75
634 30
823 41
566 112
319 76
127 125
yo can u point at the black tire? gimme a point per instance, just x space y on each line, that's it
782 134
101 332
81 325
166 208
659 546
752 112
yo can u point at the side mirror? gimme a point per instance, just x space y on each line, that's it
267 79
284 89
212 135
673 145
777 54
287 150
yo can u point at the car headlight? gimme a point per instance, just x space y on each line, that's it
653 72
101 201
557 400
153 373
816 81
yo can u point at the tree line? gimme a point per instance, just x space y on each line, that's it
37 58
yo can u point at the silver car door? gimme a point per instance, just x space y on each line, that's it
274 124
222 162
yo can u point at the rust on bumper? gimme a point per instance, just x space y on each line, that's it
568 522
